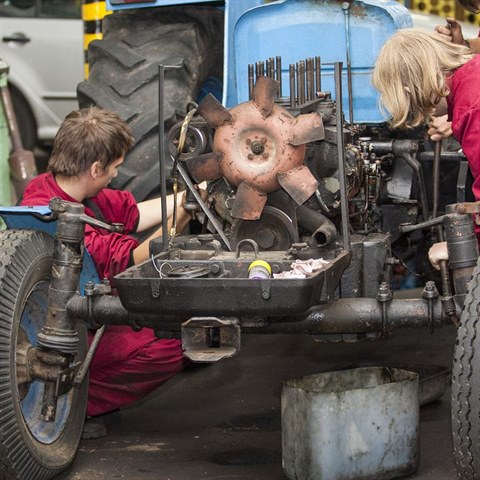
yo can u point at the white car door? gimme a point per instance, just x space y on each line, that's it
42 43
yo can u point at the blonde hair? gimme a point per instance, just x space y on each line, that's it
410 74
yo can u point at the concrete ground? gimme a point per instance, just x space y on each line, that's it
223 421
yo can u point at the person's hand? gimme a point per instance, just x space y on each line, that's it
439 128
452 32
437 253
201 189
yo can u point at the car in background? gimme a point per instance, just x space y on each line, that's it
42 42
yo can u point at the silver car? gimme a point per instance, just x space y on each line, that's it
42 43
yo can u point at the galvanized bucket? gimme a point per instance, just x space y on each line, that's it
357 424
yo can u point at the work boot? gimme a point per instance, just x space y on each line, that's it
93 429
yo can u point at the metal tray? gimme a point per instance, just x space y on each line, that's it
220 286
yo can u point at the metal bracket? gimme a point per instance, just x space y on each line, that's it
65 379
209 339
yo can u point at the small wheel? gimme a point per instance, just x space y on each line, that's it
27 126
466 385
31 448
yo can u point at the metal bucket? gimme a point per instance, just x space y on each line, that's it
357 424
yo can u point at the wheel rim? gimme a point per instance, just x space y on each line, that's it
31 394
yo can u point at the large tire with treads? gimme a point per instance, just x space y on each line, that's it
466 385
124 77
31 448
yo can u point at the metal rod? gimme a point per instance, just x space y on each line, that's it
341 157
270 67
436 177
278 74
205 209
312 78
259 69
291 78
318 74
346 11
251 80
88 359
161 153
301 86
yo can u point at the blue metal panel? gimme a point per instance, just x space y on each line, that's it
30 218
297 29
155 3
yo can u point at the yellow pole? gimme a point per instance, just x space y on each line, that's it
93 12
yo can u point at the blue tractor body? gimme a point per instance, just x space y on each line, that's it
255 30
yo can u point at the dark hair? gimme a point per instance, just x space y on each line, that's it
87 136
470 5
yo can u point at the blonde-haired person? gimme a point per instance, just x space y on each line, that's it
440 128
452 32
420 75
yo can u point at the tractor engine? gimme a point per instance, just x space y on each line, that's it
272 166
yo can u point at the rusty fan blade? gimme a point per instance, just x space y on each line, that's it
308 127
214 112
299 183
264 93
205 167
249 202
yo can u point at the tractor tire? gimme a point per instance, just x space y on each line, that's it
466 385
124 78
30 448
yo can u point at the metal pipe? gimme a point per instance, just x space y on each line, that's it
346 315
341 157
108 310
278 74
269 67
161 152
359 315
251 80
291 77
310 79
404 149
318 74
301 82
22 162
323 230
436 177
346 11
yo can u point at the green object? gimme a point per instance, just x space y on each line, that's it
5 185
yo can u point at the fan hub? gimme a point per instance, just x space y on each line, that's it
255 149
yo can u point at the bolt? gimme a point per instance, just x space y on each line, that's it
265 239
257 147
265 155
250 156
